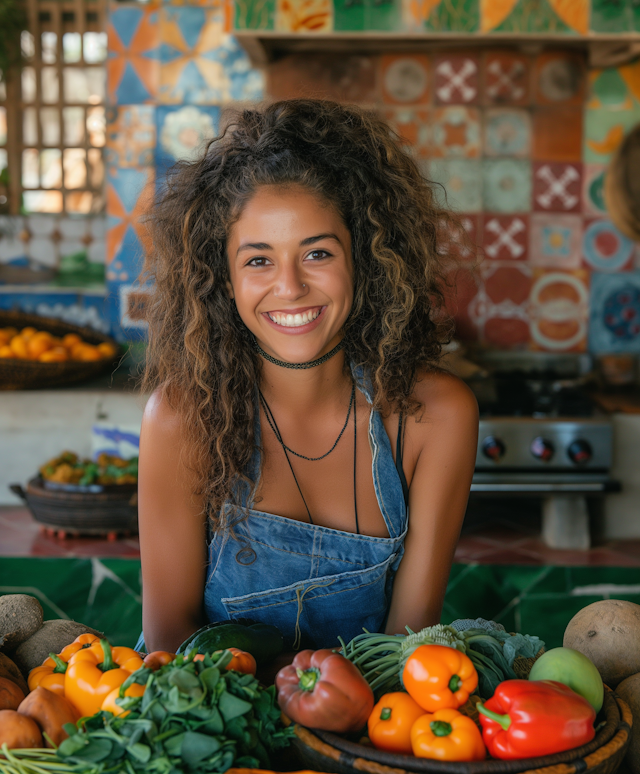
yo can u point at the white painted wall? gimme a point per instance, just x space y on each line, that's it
36 425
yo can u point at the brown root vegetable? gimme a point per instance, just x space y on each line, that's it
20 618
629 690
10 694
10 670
52 637
50 711
18 730
608 633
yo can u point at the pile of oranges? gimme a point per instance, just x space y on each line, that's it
32 344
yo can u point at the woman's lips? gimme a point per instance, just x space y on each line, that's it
297 329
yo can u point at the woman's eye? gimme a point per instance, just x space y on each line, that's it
317 255
257 262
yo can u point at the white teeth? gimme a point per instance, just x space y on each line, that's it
294 320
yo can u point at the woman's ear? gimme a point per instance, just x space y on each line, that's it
230 289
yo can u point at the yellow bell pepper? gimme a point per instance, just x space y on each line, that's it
52 672
109 704
95 671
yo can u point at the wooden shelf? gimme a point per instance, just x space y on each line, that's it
264 47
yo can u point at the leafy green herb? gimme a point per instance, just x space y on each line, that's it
193 717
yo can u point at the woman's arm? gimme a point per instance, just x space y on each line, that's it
445 440
172 532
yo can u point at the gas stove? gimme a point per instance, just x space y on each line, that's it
540 435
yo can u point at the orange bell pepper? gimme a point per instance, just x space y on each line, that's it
391 721
51 674
157 659
109 704
241 662
439 677
95 671
447 735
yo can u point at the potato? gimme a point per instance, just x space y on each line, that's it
52 637
18 730
10 694
608 633
20 617
50 712
10 670
629 690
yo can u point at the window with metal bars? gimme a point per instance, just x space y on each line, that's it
52 113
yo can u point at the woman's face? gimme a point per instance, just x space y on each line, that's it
291 272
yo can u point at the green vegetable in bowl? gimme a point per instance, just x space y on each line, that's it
572 668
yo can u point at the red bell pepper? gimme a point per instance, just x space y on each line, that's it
322 689
528 718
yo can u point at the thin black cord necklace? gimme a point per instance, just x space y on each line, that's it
298 366
274 426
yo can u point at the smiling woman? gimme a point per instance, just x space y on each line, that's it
303 461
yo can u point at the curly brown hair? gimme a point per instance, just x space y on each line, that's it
200 353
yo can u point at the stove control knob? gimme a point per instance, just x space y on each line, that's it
542 449
493 448
580 452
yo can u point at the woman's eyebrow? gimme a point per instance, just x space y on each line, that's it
305 242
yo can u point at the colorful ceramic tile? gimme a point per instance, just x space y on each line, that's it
559 310
304 16
604 131
131 136
183 131
610 16
537 16
559 78
464 302
630 74
383 15
349 15
254 14
413 127
506 289
456 78
405 79
443 16
605 249
507 132
461 180
129 195
557 187
557 134
133 64
458 239
593 189
505 237
614 324
325 76
455 131
507 78
197 58
608 90
555 241
506 185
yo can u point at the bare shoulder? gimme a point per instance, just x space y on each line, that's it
159 415
445 399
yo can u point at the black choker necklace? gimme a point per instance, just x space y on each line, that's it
309 364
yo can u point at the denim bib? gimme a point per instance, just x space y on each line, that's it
312 582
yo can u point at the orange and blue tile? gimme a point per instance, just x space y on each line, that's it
133 65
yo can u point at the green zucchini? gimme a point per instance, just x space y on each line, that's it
263 641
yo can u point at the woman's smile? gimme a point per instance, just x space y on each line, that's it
296 320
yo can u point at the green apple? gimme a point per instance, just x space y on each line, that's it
569 666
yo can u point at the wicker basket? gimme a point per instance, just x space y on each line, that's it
99 510
328 752
33 375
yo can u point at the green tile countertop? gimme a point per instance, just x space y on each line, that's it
106 593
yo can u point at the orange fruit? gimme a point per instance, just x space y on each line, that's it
18 346
38 344
5 338
10 331
87 352
107 349
6 351
70 339
28 332
54 355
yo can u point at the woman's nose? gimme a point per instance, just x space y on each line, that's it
289 284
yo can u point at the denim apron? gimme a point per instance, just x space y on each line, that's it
312 582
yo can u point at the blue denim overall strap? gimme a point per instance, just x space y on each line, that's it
313 582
